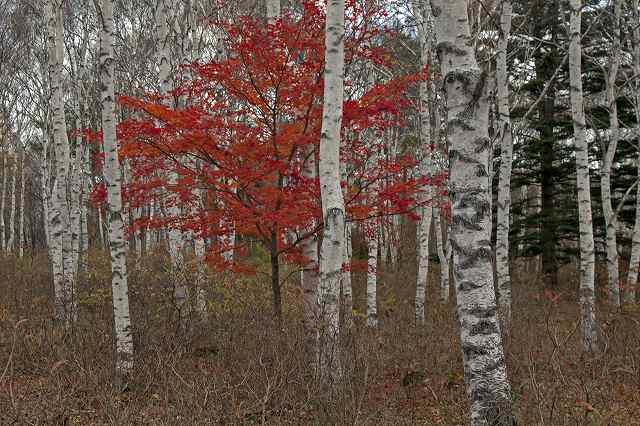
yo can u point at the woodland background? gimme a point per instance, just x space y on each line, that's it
215 238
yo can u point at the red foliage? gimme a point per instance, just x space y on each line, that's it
251 120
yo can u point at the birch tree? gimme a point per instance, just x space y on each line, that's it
634 262
62 261
372 276
465 87
333 208
609 149
175 238
422 15
506 160
587 253
113 181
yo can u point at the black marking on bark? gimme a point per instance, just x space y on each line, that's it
482 144
447 47
483 312
455 154
468 285
458 122
462 220
472 351
481 171
484 327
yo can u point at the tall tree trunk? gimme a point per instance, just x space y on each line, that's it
310 277
62 261
442 256
634 262
3 196
467 115
372 277
175 237
333 209
504 191
424 229
113 180
21 242
12 211
611 221
587 253
422 15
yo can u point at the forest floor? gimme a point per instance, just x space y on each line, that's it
238 367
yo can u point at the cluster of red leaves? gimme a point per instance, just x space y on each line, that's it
251 121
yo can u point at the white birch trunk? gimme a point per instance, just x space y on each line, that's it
506 149
372 278
21 238
333 209
634 262
113 180
62 260
442 256
3 196
310 278
422 14
611 221
347 289
424 230
273 10
587 253
12 211
467 114
175 237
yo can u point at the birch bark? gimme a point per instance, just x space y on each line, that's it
422 14
273 10
12 211
333 209
372 277
113 180
587 253
611 221
62 260
310 276
634 262
442 256
506 149
21 217
3 196
175 237
467 114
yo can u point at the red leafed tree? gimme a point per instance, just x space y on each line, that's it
245 136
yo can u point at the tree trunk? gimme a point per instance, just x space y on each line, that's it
113 180
62 260
21 242
634 262
467 115
372 278
3 196
611 221
273 10
422 14
275 278
173 209
442 256
424 228
12 211
587 254
333 209
504 191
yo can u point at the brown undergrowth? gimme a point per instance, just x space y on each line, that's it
238 367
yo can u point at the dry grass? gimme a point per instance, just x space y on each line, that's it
239 368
